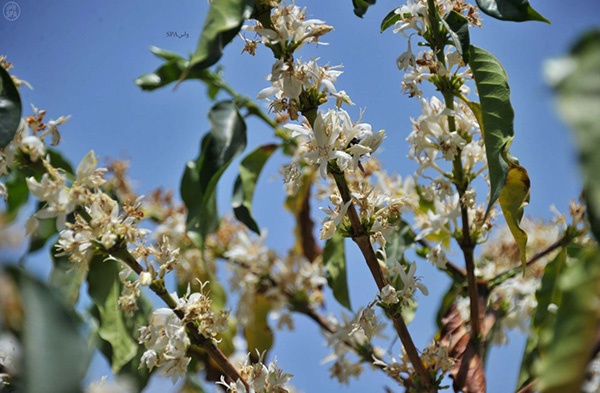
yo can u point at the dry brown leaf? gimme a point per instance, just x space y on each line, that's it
468 372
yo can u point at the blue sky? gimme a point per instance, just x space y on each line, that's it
82 58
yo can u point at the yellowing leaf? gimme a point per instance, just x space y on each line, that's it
513 198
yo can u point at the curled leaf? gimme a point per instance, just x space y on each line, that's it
468 371
513 199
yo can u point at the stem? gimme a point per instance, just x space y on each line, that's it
466 242
500 278
203 343
361 238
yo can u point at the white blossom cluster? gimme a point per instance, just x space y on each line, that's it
414 19
261 378
256 269
166 339
435 357
29 140
351 334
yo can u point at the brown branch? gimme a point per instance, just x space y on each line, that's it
362 240
500 278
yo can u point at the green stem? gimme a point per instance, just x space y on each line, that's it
461 181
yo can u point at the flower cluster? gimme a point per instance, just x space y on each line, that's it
258 271
413 18
167 342
166 339
352 335
29 142
334 137
260 377
435 357
408 283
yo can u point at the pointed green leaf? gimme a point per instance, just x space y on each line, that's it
55 355
543 319
18 194
511 10
104 289
10 108
225 141
334 259
172 71
458 28
389 20
577 84
243 190
223 21
361 6
564 358
497 115
66 277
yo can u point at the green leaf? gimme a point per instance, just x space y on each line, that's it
511 10
543 320
104 289
243 190
258 333
564 358
401 239
18 194
66 277
361 6
225 141
497 115
10 108
458 28
577 84
44 231
58 161
223 21
513 199
172 70
55 355
389 20
334 259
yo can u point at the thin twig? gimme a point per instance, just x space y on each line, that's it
500 278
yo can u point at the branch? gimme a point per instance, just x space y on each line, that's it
203 343
362 239
466 242
500 278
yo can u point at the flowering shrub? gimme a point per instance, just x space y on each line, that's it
539 277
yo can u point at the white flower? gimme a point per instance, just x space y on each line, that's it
33 146
437 256
87 174
389 295
410 282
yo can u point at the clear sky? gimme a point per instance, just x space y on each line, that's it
82 58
